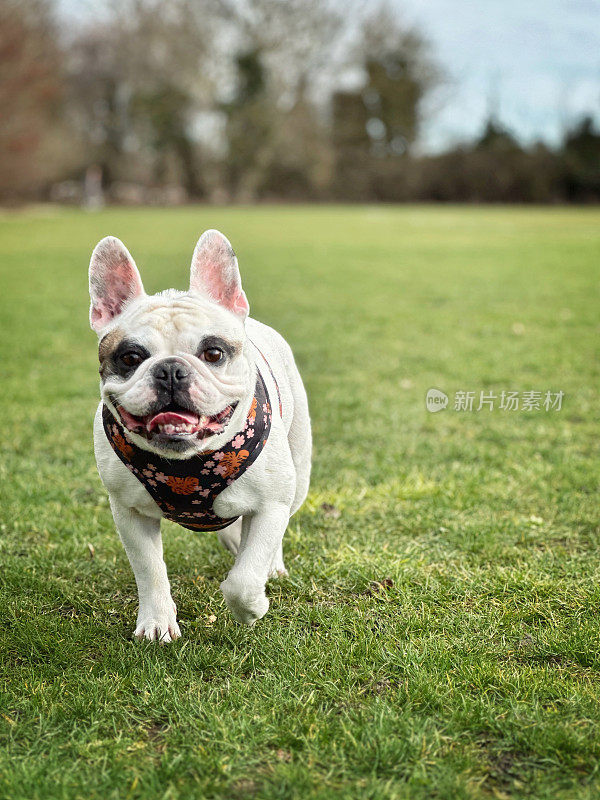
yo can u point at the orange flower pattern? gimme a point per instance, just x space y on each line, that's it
252 413
182 485
123 445
185 489
231 462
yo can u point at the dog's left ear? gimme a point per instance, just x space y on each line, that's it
114 281
215 273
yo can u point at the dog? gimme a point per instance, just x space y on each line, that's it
203 419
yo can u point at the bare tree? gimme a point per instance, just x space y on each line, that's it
135 80
243 96
377 123
285 54
399 74
30 66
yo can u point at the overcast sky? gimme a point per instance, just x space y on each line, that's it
537 62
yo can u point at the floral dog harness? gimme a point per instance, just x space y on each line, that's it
185 489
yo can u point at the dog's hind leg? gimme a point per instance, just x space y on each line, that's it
230 539
231 535
278 569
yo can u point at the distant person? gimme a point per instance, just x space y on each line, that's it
93 197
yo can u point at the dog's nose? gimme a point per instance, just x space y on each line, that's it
171 373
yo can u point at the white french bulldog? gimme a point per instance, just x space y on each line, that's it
203 419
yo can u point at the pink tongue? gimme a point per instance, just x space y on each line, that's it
173 418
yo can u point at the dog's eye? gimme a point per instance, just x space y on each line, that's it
212 354
131 359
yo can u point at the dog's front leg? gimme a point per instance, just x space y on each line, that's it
143 544
244 587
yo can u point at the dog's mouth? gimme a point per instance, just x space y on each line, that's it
174 422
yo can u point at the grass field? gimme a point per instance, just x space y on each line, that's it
439 634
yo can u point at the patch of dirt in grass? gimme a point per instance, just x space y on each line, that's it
378 587
500 765
244 788
155 731
67 611
330 511
502 768
381 686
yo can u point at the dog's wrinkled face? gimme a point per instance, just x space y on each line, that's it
173 366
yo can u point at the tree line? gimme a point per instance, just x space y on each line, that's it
249 100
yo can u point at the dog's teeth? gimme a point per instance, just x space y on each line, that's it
203 420
169 429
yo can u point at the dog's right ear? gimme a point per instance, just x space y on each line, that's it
114 281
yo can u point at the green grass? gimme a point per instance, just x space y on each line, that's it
473 672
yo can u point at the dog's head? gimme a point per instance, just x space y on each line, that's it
174 367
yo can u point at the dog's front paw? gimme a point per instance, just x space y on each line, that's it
157 625
247 605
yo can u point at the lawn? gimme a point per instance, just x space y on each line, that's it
439 633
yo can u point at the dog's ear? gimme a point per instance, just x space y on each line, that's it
215 273
114 281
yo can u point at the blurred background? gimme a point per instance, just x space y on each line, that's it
142 102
